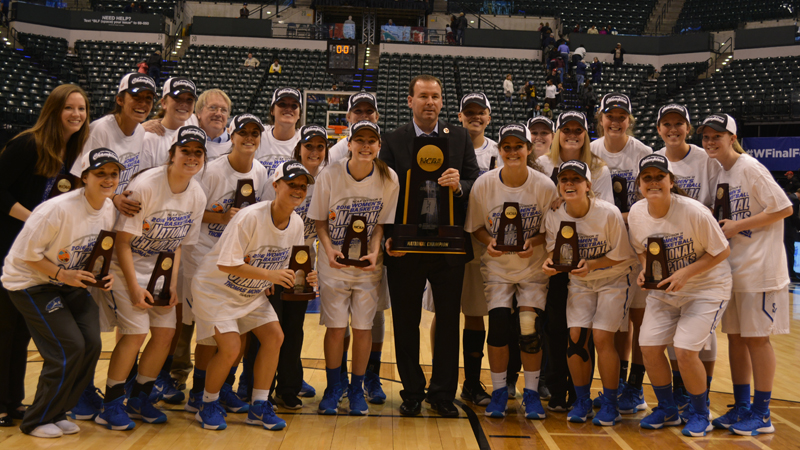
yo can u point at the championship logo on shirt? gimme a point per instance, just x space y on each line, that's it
740 206
680 251
630 177
75 255
310 226
131 163
163 231
340 213
689 185
220 206
267 257
531 221
271 162
591 246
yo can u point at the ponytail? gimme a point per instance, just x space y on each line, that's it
383 169
738 147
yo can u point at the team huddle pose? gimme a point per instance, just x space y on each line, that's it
221 206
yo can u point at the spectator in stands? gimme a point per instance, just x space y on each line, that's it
244 13
614 30
547 29
603 31
461 29
790 234
619 55
140 8
587 97
530 96
792 183
548 46
508 89
130 8
563 51
449 34
608 29
559 93
251 62
577 28
597 71
547 112
390 23
275 67
580 71
142 67
550 92
592 30
541 27
4 5
154 64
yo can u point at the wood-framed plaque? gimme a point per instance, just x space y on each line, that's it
566 254
722 202
163 268
245 194
431 159
656 268
510 215
103 247
63 184
356 229
300 264
620 191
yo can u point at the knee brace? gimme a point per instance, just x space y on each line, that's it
378 327
576 348
499 323
530 326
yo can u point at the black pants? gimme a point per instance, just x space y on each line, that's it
558 377
14 336
407 277
292 316
65 325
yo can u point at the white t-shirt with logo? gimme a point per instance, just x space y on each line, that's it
104 132
601 183
689 232
155 149
758 257
485 207
309 225
624 163
250 238
338 197
165 222
696 174
272 152
601 232
63 230
485 154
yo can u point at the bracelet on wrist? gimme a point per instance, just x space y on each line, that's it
57 272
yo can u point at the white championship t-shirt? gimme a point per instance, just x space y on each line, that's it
485 154
155 149
601 183
689 231
250 238
758 257
63 230
697 174
165 222
485 207
104 132
309 225
272 152
624 163
601 232
338 197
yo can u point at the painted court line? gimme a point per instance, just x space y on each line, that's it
617 438
546 437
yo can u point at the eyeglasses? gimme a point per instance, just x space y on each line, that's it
215 109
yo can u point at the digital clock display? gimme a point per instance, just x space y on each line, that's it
342 56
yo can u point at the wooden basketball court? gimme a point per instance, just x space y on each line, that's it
385 429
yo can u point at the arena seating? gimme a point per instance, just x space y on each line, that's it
49 52
166 8
23 89
715 15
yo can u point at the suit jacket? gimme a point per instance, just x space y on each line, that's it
397 151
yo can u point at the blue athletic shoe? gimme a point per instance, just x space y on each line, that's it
499 403
599 400
241 390
581 411
114 416
697 425
329 404
687 413
372 384
165 388
681 398
129 387
632 400
734 415
230 401
141 408
263 413
212 416
194 403
307 390
344 381
533 404
89 405
753 424
661 417
608 414
358 404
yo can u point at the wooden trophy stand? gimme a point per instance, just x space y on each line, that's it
722 203
357 229
163 268
245 195
565 254
103 247
620 191
510 216
300 264
656 254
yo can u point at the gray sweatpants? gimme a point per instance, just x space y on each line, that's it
64 323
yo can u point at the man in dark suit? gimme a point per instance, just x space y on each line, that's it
407 273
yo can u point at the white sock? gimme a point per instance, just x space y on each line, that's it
141 379
209 397
532 380
112 383
260 394
499 380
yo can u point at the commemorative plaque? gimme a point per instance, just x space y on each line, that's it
357 229
620 191
103 248
300 264
656 268
164 265
722 202
565 254
510 216
63 184
245 194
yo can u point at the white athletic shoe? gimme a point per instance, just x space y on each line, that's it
48 430
68 427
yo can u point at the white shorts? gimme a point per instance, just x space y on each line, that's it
756 314
638 295
108 312
500 294
343 300
262 315
473 299
684 321
132 320
600 304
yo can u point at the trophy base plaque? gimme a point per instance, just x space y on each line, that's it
164 265
656 263
301 265
449 241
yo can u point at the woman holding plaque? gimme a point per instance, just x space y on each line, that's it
46 277
598 290
30 165
760 300
683 252
358 194
172 205
513 270
697 175
250 258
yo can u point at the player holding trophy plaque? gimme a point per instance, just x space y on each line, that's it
103 248
163 268
357 229
245 194
63 184
722 202
300 264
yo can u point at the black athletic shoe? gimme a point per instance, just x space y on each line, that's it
475 394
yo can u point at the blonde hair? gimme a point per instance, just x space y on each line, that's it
200 103
595 164
738 147
598 120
